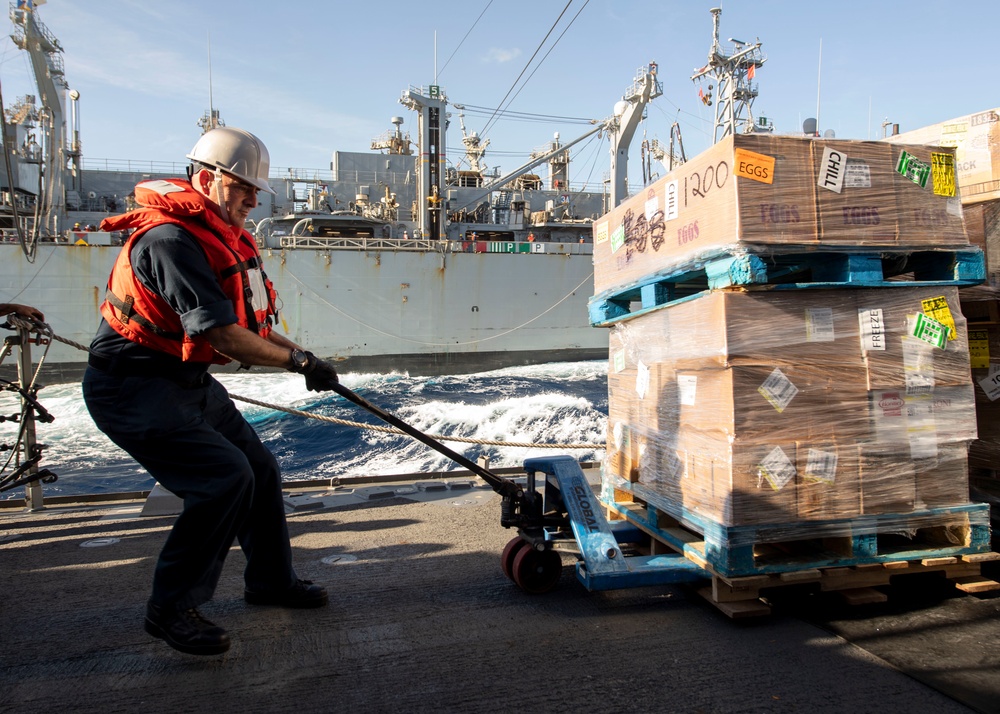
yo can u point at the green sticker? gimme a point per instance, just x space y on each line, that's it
617 238
913 168
930 331
619 361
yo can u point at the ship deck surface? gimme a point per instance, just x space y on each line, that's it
421 618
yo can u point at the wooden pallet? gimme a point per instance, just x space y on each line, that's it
851 565
788 270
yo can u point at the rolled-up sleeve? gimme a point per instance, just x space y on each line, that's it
169 261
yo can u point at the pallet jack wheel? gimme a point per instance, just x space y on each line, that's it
535 571
510 551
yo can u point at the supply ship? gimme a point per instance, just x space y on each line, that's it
394 259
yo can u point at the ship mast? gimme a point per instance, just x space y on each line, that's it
735 92
431 125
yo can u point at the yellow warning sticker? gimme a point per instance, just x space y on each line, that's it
943 173
979 349
754 166
937 309
600 233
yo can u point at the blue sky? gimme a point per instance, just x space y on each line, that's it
312 76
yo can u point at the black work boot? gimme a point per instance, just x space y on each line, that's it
302 594
186 630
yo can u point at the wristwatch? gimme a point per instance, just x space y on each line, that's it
300 360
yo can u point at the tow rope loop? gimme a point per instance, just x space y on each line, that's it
375 427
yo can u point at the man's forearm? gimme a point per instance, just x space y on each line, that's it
246 347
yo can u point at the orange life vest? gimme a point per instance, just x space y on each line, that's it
140 315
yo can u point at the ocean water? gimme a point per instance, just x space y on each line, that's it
560 402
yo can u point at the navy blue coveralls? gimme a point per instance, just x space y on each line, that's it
179 423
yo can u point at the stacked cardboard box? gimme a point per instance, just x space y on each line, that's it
776 407
768 407
783 194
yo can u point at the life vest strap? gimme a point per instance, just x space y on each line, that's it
127 309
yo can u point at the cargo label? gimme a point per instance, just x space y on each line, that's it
991 383
777 468
912 168
778 390
754 166
687 389
600 233
857 174
979 349
670 199
617 239
943 173
832 169
642 381
821 466
928 329
652 204
872 324
937 309
819 325
618 361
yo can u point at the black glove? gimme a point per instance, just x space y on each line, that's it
320 376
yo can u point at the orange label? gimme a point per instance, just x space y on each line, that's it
754 166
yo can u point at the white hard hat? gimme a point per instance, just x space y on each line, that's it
236 152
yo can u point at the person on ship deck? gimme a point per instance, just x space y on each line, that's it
188 291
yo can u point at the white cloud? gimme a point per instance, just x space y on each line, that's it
497 54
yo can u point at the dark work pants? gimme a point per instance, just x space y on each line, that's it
195 442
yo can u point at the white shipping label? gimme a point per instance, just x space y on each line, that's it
687 387
832 169
857 174
991 383
871 321
652 205
670 210
618 435
777 468
819 324
918 366
821 466
778 390
642 381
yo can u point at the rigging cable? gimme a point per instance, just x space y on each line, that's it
466 37
528 64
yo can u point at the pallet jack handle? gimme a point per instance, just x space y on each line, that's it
502 486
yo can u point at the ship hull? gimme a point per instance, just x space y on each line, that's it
415 311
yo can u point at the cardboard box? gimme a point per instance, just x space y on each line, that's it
976 140
919 425
752 483
888 481
927 198
943 481
856 192
896 360
728 328
751 402
752 188
828 484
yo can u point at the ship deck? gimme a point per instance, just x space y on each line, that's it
421 618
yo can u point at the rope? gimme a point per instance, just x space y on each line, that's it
375 427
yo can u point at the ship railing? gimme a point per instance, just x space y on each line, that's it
360 243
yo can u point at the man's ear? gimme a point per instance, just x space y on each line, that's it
202 181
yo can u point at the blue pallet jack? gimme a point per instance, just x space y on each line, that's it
555 511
